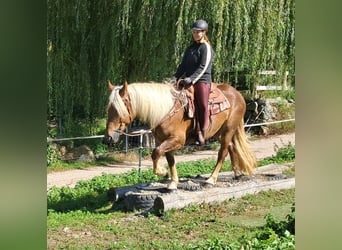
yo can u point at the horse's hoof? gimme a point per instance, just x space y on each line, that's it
210 182
172 187
208 185
242 178
162 173
171 191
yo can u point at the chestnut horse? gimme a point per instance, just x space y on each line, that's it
161 107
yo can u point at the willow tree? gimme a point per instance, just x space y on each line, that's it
89 42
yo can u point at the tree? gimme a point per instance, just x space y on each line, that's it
89 42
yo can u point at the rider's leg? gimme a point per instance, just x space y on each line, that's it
202 91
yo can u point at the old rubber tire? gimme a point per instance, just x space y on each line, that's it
189 186
140 200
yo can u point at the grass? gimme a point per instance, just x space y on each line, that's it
188 228
104 160
83 218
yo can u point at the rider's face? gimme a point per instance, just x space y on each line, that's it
198 34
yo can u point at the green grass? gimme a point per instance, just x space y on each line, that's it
84 218
233 222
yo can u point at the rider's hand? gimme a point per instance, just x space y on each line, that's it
173 80
187 82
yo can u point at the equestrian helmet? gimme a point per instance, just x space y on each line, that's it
200 25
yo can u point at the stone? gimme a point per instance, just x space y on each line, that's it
82 153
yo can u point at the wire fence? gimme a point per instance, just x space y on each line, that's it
142 132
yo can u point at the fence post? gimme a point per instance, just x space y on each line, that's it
140 153
126 141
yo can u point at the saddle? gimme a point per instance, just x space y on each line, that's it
216 104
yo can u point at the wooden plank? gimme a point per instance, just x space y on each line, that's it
267 72
268 87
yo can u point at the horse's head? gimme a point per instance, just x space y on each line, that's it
119 111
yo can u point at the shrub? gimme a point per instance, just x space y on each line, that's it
52 155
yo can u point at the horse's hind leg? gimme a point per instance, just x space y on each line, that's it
234 159
225 142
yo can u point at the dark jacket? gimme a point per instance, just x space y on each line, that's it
196 63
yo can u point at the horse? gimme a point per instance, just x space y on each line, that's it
162 107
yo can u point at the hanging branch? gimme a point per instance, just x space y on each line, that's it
89 42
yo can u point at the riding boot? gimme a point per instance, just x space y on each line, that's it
201 137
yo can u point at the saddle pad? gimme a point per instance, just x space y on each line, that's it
217 102
216 108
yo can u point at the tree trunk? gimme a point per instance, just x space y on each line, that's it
218 194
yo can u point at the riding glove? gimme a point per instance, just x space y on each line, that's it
187 81
173 80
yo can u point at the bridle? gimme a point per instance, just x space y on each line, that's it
127 101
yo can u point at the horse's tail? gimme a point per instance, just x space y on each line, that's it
246 159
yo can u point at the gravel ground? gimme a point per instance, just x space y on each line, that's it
262 148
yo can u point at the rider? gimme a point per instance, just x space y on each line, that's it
196 67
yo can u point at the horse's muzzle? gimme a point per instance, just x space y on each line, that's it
107 140
110 139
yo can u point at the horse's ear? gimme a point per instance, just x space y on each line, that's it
110 86
123 90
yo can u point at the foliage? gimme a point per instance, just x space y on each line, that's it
52 155
275 234
91 194
290 95
283 154
187 169
89 42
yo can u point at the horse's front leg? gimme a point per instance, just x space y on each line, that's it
166 148
157 169
174 175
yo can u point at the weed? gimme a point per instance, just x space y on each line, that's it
100 149
283 154
286 153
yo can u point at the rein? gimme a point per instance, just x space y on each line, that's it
172 111
136 133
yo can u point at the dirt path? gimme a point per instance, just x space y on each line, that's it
262 148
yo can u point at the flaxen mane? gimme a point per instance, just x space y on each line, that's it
151 102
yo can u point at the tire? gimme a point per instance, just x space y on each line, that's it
140 200
276 177
190 186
